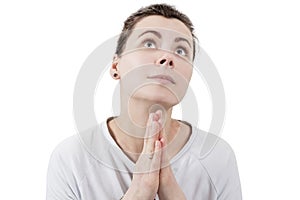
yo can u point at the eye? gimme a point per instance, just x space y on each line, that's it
181 51
149 44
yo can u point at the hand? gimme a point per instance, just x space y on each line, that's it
168 186
145 180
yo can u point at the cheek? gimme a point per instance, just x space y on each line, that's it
190 74
134 60
185 70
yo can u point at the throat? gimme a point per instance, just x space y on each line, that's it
132 146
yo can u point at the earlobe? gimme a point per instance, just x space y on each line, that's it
114 71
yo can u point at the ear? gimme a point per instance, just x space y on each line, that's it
114 67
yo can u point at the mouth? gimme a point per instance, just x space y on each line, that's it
165 79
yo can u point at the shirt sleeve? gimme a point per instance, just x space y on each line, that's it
60 181
231 187
222 168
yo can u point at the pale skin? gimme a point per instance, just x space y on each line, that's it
146 133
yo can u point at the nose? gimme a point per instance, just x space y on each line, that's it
166 61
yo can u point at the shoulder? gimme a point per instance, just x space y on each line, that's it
67 155
68 145
64 175
71 156
209 147
218 159
69 164
68 149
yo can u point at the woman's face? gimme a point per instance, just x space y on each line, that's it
156 64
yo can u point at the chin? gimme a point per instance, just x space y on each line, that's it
161 96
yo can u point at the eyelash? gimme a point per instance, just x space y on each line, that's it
155 46
148 40
184 49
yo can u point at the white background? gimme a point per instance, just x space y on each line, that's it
254 45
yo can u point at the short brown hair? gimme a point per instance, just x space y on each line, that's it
164 10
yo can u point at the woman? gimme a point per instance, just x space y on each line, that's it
143 153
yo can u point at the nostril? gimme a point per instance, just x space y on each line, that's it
171 63
162 61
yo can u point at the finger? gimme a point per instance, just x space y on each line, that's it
150 135
156 160
165 161
157 115
159 119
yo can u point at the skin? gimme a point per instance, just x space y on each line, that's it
144 130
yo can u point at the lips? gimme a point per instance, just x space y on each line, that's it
162 78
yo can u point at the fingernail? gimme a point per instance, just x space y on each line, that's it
159 112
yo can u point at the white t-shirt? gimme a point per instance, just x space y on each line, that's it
92 167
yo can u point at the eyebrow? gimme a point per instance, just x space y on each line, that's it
178 39
150 31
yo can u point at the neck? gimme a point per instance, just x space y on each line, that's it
128 129
134 116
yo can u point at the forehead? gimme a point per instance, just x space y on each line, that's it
160 22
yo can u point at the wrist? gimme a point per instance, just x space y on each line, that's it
129 195
170 191
133 193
